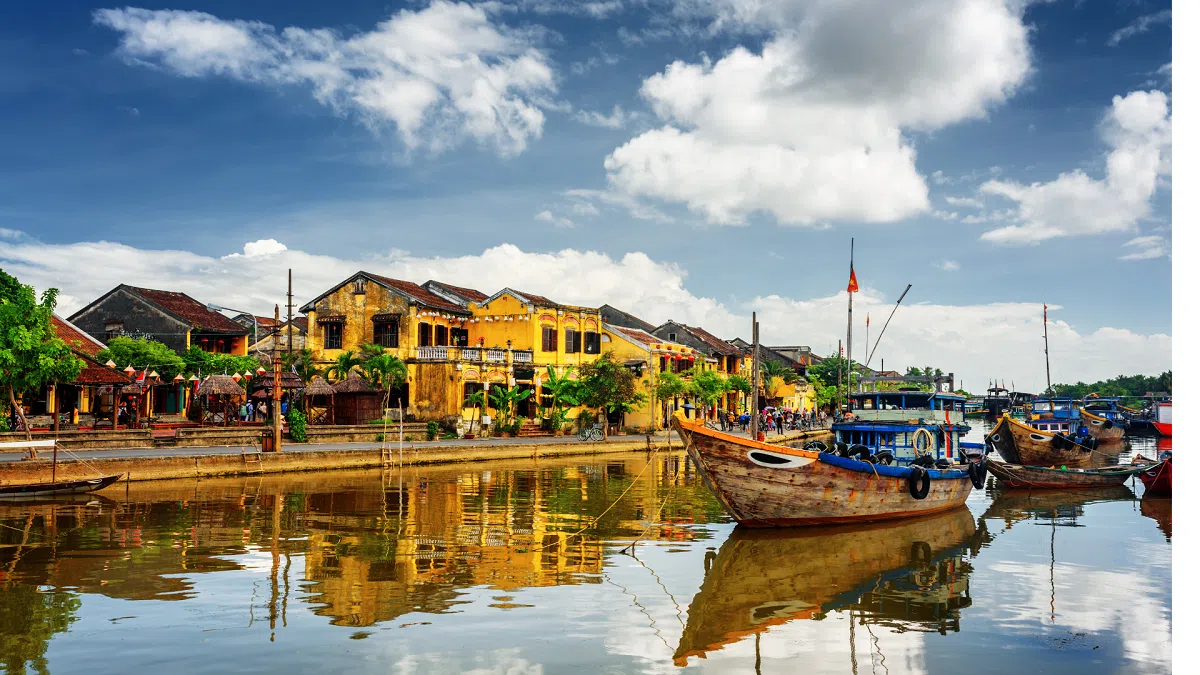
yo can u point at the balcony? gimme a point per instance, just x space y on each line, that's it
467 354
433 353
523 356
473 354
494 356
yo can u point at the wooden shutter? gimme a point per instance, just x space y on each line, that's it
424 335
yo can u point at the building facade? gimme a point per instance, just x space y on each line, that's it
172 318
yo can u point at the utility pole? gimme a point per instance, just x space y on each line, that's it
289 314
754 386
841 366
277 368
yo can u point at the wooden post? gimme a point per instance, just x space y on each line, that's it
754 385
52 395
277 367
289 313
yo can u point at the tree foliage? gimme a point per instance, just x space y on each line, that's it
31 355
563 392
505 400
347 362
143 353
609 386
303 363
205 363
739 384
1122 385
708 387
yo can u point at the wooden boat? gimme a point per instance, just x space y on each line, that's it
766 485
1022 444
1042 477
52 487
1157 478
1104 429
765 578
1162 418
904 424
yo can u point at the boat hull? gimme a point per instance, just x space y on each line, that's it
1039 477
811 488
1158 479
1102 428
62 487
1163 428
1024 445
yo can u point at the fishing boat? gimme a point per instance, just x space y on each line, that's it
912 575
1019 443
998 402
1157 479
53 486
974 408
1162 417
767 485
1064 415
904 424
1044 477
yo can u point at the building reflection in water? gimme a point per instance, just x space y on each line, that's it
373 546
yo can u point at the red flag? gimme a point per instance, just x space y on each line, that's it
868 321
852 287
1045 317
142 378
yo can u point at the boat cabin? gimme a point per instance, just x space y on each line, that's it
881 406
904 423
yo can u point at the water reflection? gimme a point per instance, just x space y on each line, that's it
906 575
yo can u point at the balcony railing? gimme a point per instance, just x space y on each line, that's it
469 354
523 356
473 354
494 356
433 353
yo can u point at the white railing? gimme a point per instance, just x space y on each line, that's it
523 357
930 416
469 354
432 353
494 355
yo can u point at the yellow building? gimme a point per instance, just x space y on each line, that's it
649 357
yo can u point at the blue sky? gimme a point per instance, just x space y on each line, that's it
138 128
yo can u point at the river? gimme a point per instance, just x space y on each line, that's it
472 568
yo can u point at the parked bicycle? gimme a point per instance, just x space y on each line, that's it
594 432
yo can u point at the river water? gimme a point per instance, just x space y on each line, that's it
472 569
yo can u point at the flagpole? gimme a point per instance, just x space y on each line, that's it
850 328
1046 338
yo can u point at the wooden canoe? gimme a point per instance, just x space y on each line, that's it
1157 479
764 578
61 487
1104 429
768 485
1021 444
1043 477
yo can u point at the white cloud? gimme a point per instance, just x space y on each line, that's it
1140 25
636 208
1138 129
434 77
259 248
616 120
968 202
1148 248
557 221
952 337
948 266
812 128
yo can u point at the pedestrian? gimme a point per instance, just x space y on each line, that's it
262 411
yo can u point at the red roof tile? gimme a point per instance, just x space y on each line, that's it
419 295
191 311
468 293
75 338
539 300
94 373
722 347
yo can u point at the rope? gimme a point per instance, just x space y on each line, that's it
596 520
652 522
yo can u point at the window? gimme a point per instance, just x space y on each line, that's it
470 388
360 286
441 336
387 333
333 335
572 341
671 337
458 337
591 342
662 364
424 335
549 339
113 329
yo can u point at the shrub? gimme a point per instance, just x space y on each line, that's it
431 431
297 425
450 434
379 438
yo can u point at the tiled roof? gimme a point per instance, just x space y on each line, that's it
268 322
616 317
642 337
722 347
94 373
539 300
418 294
468 293
75 338
191 311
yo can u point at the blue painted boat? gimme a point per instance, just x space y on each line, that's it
905 424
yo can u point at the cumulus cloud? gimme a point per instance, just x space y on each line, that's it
1140 25
1138 130
615 120
951 337
965 202
812 127
434 77
948 266
1146 248
557 221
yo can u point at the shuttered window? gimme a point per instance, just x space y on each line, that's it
333 335
591 342
387 334
571 341
549 339
441 336
424 335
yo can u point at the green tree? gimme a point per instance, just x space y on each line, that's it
668 387
386 371
303 363
143 353
823 395
505 400
739 384
770 371
563 392
31 355
708 387
10 288
347 362
479 401
609 386
204 363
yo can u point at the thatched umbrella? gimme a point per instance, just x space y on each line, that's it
321 387
359 399
222 386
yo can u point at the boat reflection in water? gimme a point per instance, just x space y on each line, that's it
1013 506
910 575
1158 509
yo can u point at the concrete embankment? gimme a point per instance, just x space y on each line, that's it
298 457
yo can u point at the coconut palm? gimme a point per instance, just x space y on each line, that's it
386 372
303 363
772 370
343 365
563 392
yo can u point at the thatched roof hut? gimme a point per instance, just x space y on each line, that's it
219 385
319 387
354 384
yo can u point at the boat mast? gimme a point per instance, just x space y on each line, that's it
754 385
849 328
1046 339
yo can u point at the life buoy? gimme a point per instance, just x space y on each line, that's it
918 482
818 446
978 473
842 449
860 451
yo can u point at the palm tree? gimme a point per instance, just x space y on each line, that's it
343 365
478 400
302 363
389 370
562 390
770 371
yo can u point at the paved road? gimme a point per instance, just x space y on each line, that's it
321 447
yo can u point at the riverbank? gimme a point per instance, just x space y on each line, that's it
141 464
